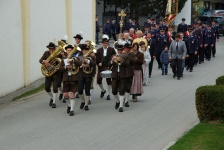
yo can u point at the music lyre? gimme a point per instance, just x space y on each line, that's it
122 15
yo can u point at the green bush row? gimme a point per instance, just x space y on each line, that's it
210 101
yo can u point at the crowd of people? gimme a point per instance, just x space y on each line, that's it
127 65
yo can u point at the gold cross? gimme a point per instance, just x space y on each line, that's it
122 14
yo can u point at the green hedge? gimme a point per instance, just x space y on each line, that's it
210 102
220 80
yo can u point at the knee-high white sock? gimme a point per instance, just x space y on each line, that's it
116 98
127 97
54 97
68 102
109 89
121 101
86 100
72 101
50 94
60 90
82 98
101 87
91 94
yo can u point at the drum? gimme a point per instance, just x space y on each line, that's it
106 74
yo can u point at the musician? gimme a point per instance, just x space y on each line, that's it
137 86
89 43
88 63
152 51
209 42
78 38
119 64
70 81
215 29
103 57
130 70
52 79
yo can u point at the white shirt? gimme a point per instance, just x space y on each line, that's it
105 51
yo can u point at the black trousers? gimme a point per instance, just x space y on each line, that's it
176 66
118 84
85 82
128 84
201 54
191 61
208 51
214 50
151 66
52 79
159 62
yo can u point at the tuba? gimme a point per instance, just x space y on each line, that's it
54 62
75 69
89 69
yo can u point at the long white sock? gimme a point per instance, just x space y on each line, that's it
127 97
116 98
101 87
68 102
86 100
121 101
72 101
50 94
54 97
82 98
109 89
91 94
60 90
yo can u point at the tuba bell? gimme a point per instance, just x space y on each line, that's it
54 62
89 69
75 69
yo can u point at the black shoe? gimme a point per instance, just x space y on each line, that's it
126 104
117 105
209 59
187 68
86 108
89 102
102 94
162 73
108 97
191 70
174 76
60 96
149 76
121 109
178 78
64 101
77 95
68 109
165 73
51 101
181 75
71 113
213 55
53 105
82 105
199 62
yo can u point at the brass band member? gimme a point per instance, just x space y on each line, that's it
130 71
51 79
88 63
88 43
103 57
119 75
70 80
137 86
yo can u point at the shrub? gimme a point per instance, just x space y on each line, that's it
210 102
220 80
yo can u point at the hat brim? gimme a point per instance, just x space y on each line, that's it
77 37
51 46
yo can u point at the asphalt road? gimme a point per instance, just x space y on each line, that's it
164 112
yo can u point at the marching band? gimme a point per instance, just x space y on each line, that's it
127 66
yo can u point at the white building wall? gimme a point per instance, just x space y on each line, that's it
11 76
47 23
185 13
82 19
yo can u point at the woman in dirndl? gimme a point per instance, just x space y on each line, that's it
137 85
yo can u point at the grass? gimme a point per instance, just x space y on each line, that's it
31 92
204 136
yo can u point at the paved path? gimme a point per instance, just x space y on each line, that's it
164 113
